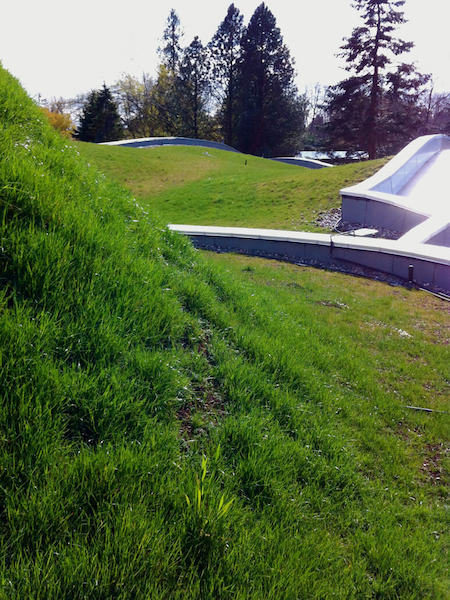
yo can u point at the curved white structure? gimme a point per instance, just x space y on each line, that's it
410 194
169 141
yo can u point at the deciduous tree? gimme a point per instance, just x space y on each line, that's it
437 113
136 105
60 121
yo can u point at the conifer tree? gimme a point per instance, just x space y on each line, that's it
345 110
100 120
171 50
193 86
402 109
368 53
225 50
271 116
167 89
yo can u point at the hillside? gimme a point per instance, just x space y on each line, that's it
200 186
179 426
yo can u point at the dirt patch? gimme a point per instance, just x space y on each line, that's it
432 465
332 304
206 406
432 454
438 333
407 433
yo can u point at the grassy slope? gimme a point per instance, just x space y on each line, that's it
212 187
126 358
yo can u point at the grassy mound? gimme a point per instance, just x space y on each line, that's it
168 432
199 186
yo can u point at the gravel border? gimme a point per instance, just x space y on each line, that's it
332 219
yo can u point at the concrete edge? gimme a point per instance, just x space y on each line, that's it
426 252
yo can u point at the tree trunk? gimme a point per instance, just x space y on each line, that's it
372 141
372 116
195 109
228 116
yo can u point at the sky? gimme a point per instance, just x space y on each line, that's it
58 48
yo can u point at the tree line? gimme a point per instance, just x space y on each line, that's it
239 88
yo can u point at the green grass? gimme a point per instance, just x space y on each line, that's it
200 186
181 426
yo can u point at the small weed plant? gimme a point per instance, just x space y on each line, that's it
206 530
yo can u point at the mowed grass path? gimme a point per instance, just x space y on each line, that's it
201 186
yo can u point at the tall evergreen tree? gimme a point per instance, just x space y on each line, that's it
167 88
368 52
225 50
345 110
100 120
403 109
171 50
271 116
193 86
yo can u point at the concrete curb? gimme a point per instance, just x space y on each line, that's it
430 264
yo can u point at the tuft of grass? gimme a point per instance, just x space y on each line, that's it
136 374
215 187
